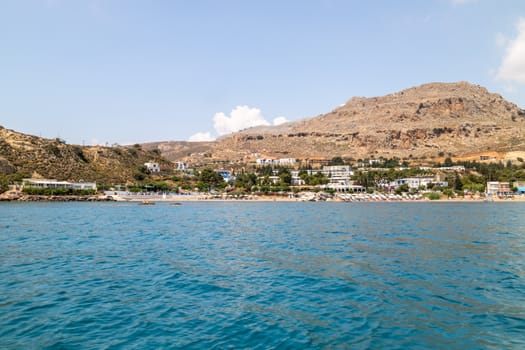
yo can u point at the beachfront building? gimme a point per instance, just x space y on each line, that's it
339 178
274 179
338 174
52 184
496 188
417 182
349 187
296 180
504 188
152 167
492 188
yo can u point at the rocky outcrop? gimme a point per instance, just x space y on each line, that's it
6 167
14 195
10 196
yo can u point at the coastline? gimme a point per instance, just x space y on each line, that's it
16 196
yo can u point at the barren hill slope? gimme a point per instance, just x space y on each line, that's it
28 155
177 150
456 118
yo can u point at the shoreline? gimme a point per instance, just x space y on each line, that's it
18 197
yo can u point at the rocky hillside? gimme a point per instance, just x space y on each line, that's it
27 155
420 122
179 150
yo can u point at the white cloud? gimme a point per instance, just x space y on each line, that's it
201 136
279 120
513 65
241 117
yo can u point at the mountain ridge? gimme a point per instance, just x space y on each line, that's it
426 121
418 122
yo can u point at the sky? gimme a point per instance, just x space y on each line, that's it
105 72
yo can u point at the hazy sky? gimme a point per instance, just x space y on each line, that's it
124 71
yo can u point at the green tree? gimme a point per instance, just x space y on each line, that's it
160 186
402 188
390 163
266 170
433 196
337 161
448 192
458 185
286 176
245 181
140 174
265 181
317 179
209 179
3 186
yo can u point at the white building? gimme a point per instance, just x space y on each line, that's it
277 162
344 188
264 161
296 180
338 174
453 169
496 188
152 167
286 161
51 183
417 182
492 188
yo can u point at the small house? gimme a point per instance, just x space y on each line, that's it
152 167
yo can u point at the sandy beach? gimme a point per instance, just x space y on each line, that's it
278 198
300 197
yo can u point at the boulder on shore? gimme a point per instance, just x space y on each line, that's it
11 195
14 195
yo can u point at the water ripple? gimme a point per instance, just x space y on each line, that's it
262 276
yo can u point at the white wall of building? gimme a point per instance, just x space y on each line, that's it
152 167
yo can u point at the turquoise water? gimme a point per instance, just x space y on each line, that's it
262 276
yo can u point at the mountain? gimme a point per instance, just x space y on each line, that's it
24 155
420 122
427 121
179 150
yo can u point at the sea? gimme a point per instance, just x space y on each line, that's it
262 275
